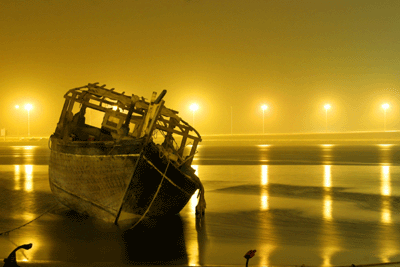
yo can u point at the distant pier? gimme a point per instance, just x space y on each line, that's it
356 138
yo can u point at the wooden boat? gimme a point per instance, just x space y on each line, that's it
114 154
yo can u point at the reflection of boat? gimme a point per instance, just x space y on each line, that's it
162 242
105 160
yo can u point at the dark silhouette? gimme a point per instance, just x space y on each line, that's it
11 261
250 254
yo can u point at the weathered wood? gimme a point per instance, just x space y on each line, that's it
106 169
127 188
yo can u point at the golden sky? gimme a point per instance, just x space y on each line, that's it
232 55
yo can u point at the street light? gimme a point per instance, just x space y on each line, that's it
327 106
385 107
194 107
231 120
263 107
28 107
17 107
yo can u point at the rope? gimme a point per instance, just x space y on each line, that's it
161 153
168 179
155 195
164 135
114 145
7 232
353 265
371 264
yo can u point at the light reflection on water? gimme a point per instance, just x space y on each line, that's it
385 178
264 205
385 151
386 192
28 178
23 147
267 246
388 246
327 193
23 151
264 190
26 175
334 199
191 238
20 204
327 153
348 193
329 240
17 177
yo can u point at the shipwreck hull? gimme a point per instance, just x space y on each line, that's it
96 178
104 160
158 187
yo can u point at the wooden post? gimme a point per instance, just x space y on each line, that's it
193 151
183 143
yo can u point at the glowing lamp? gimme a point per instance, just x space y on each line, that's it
194 107
385 106
28 107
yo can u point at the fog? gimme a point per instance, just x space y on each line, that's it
230 57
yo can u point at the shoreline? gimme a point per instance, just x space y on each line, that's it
346 138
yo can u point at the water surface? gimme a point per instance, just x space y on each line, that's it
313 205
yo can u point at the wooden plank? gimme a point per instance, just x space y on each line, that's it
183 143
127 187
177 132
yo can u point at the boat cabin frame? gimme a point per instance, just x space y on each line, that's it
125 118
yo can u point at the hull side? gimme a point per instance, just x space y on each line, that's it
96 184
90 184
175 191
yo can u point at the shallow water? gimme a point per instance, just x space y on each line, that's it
313 205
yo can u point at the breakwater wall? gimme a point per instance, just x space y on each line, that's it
356 138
